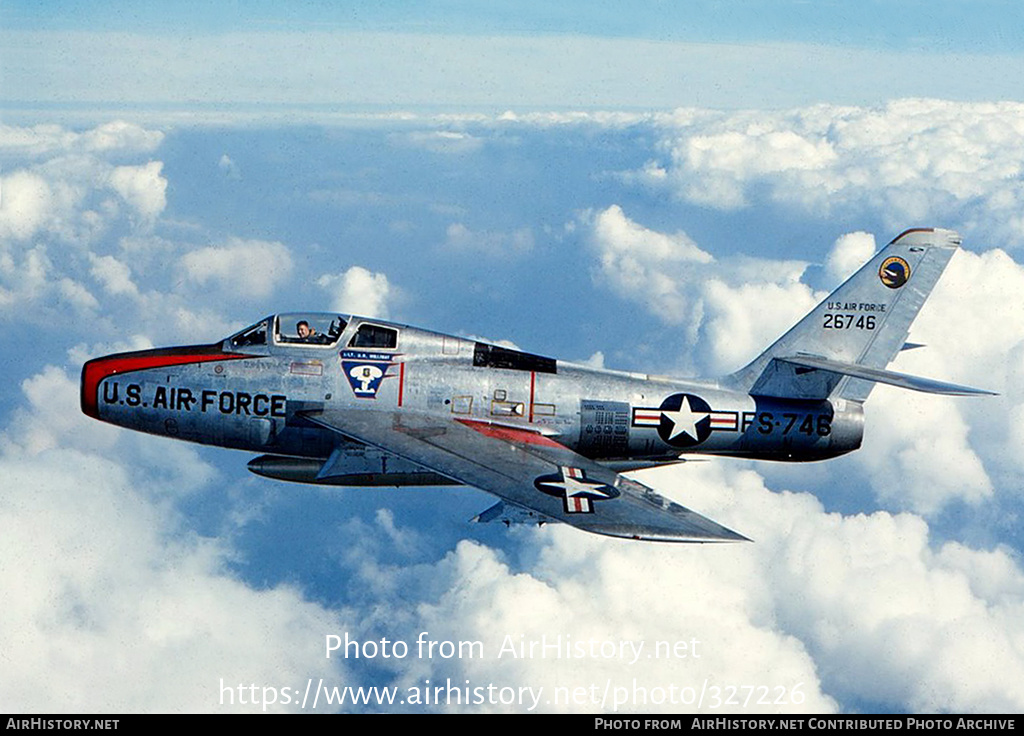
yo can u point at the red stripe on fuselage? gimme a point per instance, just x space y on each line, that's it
401 382
94 371
533 388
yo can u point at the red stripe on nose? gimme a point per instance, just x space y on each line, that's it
94 371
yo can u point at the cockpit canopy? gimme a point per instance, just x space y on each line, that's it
315 329
297 328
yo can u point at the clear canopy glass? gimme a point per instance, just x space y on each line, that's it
308 328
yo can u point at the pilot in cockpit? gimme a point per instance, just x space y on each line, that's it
306 333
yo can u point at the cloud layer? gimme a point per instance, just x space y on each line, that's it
402 70
722 312
113 605
912 162
144 570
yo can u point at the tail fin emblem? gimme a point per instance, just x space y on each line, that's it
894 272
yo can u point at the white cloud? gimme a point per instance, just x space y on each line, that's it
25 202
249 268
849 252
885 618
114 137
595 361
120 136
913 162
757 153
27 277
110 609
919 453
229 167
51 419
115 276
54 217
57 211
625 237
143 188
643 264
70 194
76 295
32 280
460 239
741 320
109 605
837 608
738 304
443 141
359 292
940 448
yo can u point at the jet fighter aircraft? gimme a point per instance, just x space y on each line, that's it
349 401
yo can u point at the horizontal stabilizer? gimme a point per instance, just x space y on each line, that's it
902 380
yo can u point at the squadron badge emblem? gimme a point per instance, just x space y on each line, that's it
365 371
894 272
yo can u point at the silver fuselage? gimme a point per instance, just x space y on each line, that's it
259 397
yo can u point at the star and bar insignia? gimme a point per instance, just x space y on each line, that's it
683 420
576 491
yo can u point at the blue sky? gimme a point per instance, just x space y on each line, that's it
332 57
533 174
975 27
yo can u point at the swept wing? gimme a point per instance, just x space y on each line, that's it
529 471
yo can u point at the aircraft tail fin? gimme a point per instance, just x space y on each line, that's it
855 332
